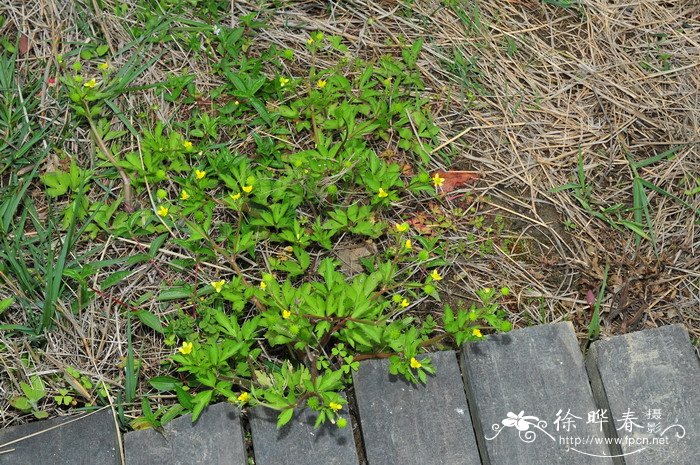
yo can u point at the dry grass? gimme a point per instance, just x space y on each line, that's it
545 83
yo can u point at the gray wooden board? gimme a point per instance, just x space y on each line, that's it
518 385
649 381
215 439
407 424
77 440
298 442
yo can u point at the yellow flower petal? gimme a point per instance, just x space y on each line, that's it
408 244
92 83
185 348
218 285
235 196
247 189
184 195
199 174
415 364
321 83
382 193
438 181
283 81
162 211
405 303
435 275
187 144
244 397
335 406
476 332
263 286
403 227
286 314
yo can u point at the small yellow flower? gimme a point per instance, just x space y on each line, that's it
263 286
92 83
218 285
103 66
243 397
408 244
185 348
162 211
310 41
247 189
435 275
405 303
438 181
403 227
286 314
335 406
199 174
235 196
415 364
184 195
382 193
476 332
283 81
321 83
187 144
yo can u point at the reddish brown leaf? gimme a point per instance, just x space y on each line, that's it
454 180
23 44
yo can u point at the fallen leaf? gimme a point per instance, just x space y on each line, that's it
454 180
23 44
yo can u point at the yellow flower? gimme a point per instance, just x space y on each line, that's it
321 83
438 181
235 196
185 348
408 244
335 406
476 332
103 66
247 189
244 397
263 286
310 41
187 144
199 174
415 364
236 103
283 81
403 227
184 195
286 314
382 193
162 211
435 275
91 83
218 285
404 303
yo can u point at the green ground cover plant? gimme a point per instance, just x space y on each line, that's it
243 201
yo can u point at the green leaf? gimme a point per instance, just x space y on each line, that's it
284 417
5 304
150 320
165 383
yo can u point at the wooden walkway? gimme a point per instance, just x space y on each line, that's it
525 397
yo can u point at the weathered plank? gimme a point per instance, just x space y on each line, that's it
78 440
215 439
298 442
649 381
529 398
415 424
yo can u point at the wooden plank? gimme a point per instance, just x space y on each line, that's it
77 440
648 381
215 439
409 424
529 398
298 442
